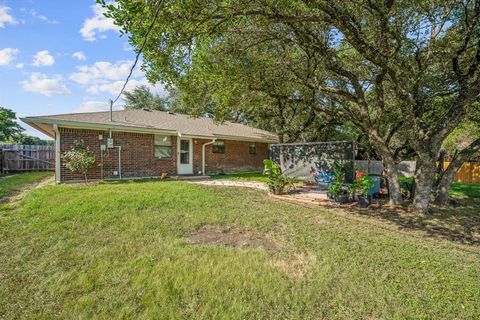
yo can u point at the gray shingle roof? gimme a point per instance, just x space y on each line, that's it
158 120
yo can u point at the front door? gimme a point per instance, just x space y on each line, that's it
185 156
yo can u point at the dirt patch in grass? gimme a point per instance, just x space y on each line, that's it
232 237
23 190
296 265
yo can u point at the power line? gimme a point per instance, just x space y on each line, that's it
139 51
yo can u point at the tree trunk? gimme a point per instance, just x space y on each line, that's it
448 175
425 173
391 172
443 188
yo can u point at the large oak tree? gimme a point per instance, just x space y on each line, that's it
405 68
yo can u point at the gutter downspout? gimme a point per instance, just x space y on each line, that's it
119 161
203 154
57 154
119 155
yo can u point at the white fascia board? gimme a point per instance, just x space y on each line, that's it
192 136
97 126
247 139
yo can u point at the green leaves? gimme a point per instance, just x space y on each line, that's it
277 182
79 158
9 128
142 97
271 169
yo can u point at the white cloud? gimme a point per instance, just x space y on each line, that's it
46 85
95 105
114 87
43 58
95 26
7 55
19 65
36 15
102 71
5 17
107 77
79 55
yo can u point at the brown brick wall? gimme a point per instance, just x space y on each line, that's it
235 159
137 154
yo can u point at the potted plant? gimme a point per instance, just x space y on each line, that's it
365 184
353 189
277 182
337 190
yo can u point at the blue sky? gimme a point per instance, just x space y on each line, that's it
60 56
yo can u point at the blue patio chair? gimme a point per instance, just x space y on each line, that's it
323 180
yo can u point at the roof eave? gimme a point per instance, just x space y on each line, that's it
91 125
34 121
39 128
244 138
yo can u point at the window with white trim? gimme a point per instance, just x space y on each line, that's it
163 146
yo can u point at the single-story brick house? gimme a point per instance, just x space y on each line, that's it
145 143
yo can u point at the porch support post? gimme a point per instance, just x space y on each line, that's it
57 154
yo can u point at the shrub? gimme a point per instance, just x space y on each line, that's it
362 184
365 184
337 187
277 182
79 158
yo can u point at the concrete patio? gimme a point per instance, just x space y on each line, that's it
300 193
232 183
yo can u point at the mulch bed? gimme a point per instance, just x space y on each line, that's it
380 204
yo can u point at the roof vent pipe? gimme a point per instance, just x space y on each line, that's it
111 110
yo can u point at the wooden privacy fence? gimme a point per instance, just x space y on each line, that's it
18 158
469 172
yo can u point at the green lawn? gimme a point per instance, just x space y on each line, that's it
119 250
246 176
10 185
466 190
